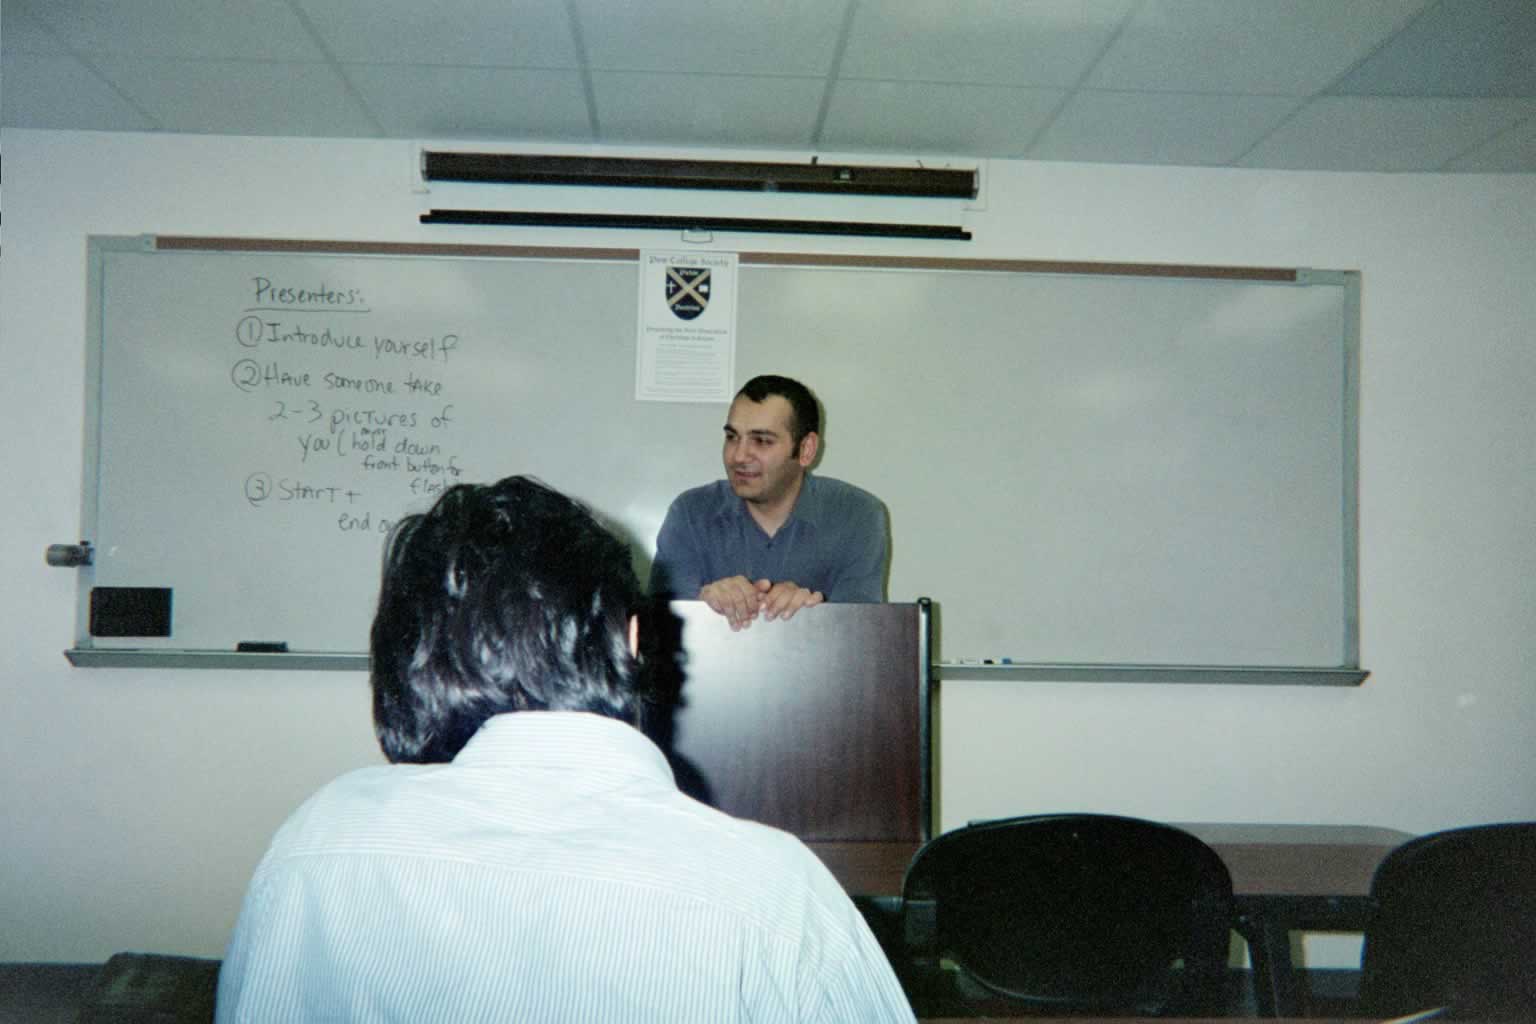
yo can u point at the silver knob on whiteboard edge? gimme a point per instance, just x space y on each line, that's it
69 556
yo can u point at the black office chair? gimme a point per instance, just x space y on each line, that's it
1455 925
1068 913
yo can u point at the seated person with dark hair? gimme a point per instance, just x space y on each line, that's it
527 855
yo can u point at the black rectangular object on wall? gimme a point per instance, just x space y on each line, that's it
130 611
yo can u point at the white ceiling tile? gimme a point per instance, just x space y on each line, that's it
249 30
634 107
420 101
1160 128
996 42
42 92
1370 133
20 33
903 117
489 33
741 37
973 78
1460 48
1256 47
1512 151
241 98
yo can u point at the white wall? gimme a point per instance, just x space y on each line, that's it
135 804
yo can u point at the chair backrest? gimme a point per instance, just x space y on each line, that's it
1455 925
1081 912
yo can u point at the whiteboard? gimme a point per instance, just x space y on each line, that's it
1112 465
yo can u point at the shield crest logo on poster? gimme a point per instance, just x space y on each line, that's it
687 291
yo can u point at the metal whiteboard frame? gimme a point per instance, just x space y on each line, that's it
86 654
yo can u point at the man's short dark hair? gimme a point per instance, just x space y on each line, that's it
503 597
807 417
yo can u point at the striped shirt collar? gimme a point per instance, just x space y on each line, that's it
578 741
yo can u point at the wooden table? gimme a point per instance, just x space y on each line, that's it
1295 878
1299 860
1286 878
1265 860
867 869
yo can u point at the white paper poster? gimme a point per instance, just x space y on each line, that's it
686 348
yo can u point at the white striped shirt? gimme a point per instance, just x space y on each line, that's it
552 872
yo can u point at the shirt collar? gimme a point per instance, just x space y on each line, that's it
580 742
806 501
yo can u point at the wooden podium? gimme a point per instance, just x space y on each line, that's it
819 726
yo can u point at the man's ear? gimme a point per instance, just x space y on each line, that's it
808 446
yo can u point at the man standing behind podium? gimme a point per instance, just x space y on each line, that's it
527 855
771 539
